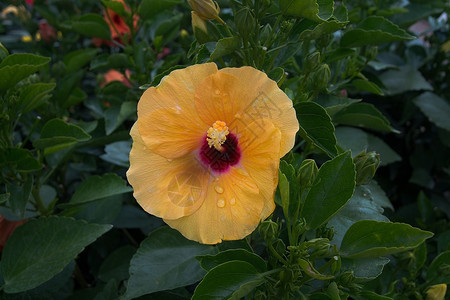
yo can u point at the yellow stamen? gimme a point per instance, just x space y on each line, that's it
217 135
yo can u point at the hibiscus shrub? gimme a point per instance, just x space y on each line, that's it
273 149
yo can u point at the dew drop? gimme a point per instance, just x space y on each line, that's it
221 202
218 189
232 201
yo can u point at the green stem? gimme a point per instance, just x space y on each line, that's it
38 201
275 253
268 42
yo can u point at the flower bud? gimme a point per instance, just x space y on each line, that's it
436 292
299 226
366 166
286 275
279 246
199 28
206 9
346 278
321 77
312 61
371 52
268 230
245 22
307 173
336 265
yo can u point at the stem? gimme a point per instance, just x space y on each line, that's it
38 201
275 253
268 42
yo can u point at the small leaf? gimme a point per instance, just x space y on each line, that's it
34 95
365 85
331 190
225 46
19 196
321 29
165 260
96 187
208 262
115 6
118 153
116 115
435 108
77 59
92 25
314 10
368 238
41 248
225 279
434 273
310 271
334 104
316 126
150 8
363 115
18 66
374 30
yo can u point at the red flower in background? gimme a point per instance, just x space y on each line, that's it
7 228
47 32
30 2
120 31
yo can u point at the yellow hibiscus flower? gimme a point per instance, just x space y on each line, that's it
206 150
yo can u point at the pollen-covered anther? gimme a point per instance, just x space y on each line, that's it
217 135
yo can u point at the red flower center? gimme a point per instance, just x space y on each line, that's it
220 161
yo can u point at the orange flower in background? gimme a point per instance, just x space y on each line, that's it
114 75
6 229
206 150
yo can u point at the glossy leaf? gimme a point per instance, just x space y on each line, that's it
374 30
165 260
228 278
331 190
314 10
435 108
41 248
116 115
334 104
316 126
92 25
225 46
321 30
98 187
211 261
368 238
365 268
117 153
18 66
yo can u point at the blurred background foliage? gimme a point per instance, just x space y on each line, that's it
365 76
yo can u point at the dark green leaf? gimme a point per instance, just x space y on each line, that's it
225 46
365 268
316 126
150 8
92 25
102 211
116 115
165 260
435 273
19 196
365 85
363 115
34 95
374 30
228 278
321 29
334 104
77 96
339 54
18 66
116 265
435 108
18 159
115 6
403 79
77 59
96 187
331 190
40 249
208 262
368 238
308 268
118 153
314 10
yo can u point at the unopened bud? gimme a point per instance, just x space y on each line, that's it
336 265
312 61
245 22
321 77
286 275
299 226
371 52
307 173
268 230
366 165
437 292
346 278
199 28
206 9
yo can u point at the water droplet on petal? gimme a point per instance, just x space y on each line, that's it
218 189
221 203
233 201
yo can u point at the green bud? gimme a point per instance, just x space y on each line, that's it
286 275
321 248
286 26
324 40
336 264
312 61
206 9
59 69
268 230
366 165
321 77
307 173
202 32
346 278
437 292
299 226
279 246
371 52
245 22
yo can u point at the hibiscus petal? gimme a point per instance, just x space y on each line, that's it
164 187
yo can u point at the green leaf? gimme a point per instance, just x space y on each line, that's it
365 268
314 10
366 204
34 95
331 190
289 191
57 135
365 85
368 238
77 59
116 115
150 8
92 25
374 30
308 268
434 272
224 280
20 160
209 262
358 140
369 295
334 104
435 108
41 248
115 6
403 79
19 196
321 29
165 260
118 153
316 126
363 115
4 197
225 46
102 211
18 66
116 264
339 54
96 187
